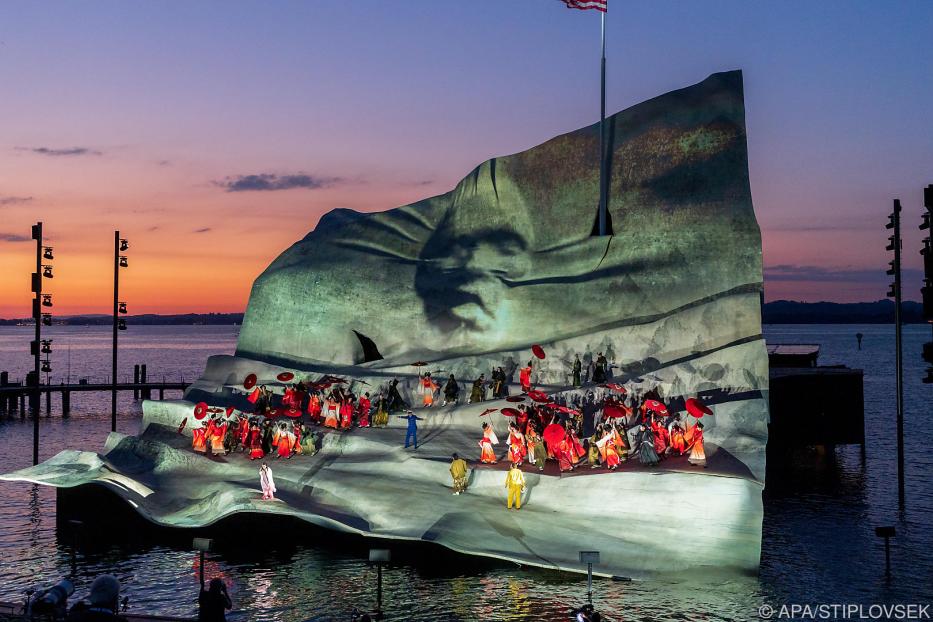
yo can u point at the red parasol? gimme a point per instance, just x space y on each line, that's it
254 396
333 379
618 388
294 413
569 411
200 410
230 410
554 433
511 412
539 396
656 406
614 410
285 376
697 408
249 382
515 398
272 413
487 411
537 351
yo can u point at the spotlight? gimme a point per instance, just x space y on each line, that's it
47 271
122 308
926 222
46 346
891 293
123 262
891 271
124 245
890 246
46 366
46 300
121 324
47 319
48 253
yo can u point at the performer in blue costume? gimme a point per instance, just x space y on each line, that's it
411 436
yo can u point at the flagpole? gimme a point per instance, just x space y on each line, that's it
602 125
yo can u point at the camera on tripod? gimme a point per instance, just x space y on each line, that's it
51 602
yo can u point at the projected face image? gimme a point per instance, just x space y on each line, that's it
465 282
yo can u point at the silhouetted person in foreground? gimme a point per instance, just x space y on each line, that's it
101 604
213 602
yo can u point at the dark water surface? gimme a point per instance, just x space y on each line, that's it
818 545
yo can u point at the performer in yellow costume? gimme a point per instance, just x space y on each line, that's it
515 482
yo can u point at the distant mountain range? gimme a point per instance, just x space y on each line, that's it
777 312
879 312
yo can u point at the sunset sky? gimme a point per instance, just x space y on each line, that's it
213 135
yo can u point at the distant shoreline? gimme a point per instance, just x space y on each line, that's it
777 312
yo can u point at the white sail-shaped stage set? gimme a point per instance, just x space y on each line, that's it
468 281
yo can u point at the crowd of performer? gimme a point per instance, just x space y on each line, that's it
540 433
282 426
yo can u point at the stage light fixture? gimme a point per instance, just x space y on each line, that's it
124 245
46 346
122 308
891 292
123 261
121 324
891 271
47 254
47 271
46 319
46 366
890 246
46 300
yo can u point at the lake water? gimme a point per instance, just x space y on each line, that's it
818 544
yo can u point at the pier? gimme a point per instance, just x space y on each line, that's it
18 397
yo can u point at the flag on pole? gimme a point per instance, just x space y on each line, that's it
599 5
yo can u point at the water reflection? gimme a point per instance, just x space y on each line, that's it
818 531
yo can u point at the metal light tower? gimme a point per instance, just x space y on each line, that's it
38 347
894 222
119 261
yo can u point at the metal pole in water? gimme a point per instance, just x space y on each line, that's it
116 292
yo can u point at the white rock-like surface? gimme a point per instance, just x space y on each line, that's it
642 520
470 280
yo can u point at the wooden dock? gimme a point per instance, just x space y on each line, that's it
14 397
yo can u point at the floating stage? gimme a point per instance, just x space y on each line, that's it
469 281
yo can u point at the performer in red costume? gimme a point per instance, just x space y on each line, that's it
255 442
564 454
363 408
428 388
517 450
314 408
524 376
330 413
576 447
661 437
346 413
488 455
283 441
296 430
199 439
242 432
217 437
